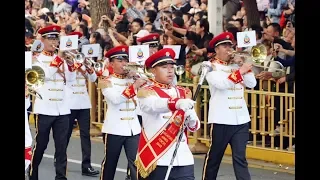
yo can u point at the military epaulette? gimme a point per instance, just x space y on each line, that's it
104 82
145 92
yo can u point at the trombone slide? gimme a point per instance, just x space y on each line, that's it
34 93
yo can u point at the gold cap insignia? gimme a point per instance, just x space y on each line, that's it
154 37
123 50
54 29
227 36
167 54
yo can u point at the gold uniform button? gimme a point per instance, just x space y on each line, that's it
55 89
55 99
234 97
166 117
132 109
235 107
77 85
117 84
127 118
78 92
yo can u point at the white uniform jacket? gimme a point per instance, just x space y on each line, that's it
78 97
27 135
54 91
155 114
227 103
121 117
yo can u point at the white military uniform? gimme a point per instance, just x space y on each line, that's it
155 113
121 117
54 91
227 103
78 97
27 134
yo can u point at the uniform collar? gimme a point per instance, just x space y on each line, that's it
219 61
120 76
161 85
47 53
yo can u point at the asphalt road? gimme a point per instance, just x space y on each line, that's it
47 171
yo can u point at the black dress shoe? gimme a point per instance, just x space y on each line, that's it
89 172
54 162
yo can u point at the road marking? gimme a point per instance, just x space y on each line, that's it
79 162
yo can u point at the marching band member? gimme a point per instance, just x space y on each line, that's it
28 136
228 113
153 40
164 107
80 105
53 109
121 126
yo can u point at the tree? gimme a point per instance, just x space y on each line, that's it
97 9
253 16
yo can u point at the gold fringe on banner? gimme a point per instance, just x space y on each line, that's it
144 172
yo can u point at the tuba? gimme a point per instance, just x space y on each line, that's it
34 78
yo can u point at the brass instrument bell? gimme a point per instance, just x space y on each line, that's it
179 69
257 56
78 57
97 66
34 78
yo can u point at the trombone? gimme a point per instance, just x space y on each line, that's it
34 78
257 56
97 66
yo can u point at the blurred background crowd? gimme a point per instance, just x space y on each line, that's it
179 22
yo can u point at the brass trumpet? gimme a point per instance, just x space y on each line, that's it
77 56
139 69
97 66
257 56
179 69
72 57
34 78
142 71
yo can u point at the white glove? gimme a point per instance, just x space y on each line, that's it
191 117
185 104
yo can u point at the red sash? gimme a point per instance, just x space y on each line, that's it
151 150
